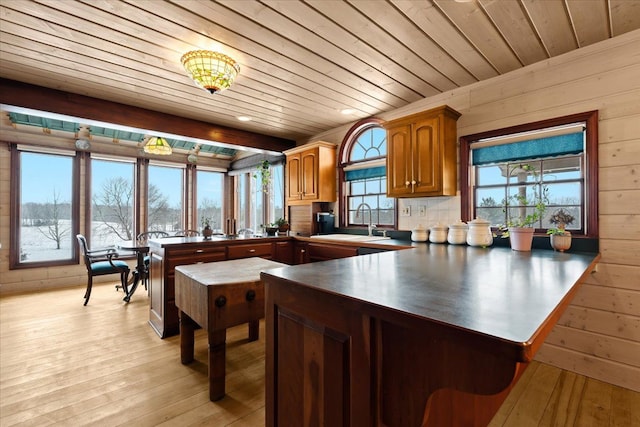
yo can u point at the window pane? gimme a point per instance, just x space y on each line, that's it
165 198
209 199
45 208
262 208
112 202
490 175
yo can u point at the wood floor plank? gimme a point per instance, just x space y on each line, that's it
595 405
564 402
64 364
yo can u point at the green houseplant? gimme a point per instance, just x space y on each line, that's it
560 239
525 208
282 224
263 175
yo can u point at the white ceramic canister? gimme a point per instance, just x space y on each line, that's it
479 233
419 234
457 233
438 233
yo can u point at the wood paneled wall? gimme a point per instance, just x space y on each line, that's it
599 335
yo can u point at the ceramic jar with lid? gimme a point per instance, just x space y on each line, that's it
438 233
479 233
419 234
457 233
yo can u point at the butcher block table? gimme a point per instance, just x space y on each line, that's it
217 296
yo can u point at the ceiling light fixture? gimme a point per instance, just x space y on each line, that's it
244 118
212 71
157 145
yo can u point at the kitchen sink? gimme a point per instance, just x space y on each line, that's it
349 237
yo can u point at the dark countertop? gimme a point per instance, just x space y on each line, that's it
488 291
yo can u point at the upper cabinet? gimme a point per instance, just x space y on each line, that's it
311 173
421 154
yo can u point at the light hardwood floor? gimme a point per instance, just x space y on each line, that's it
62 363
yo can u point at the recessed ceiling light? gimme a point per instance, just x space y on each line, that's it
348 111
244 118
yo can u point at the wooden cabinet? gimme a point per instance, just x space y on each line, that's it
311 173
324 251
283 252
163 313
422 155
167 254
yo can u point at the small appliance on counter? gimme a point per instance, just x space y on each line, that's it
325 222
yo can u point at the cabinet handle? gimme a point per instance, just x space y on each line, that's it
221 301
406 184
302 251
251 251
413 183
251 295
199 251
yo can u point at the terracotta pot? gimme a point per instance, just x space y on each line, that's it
561 242
521 238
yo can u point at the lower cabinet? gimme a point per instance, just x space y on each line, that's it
163 314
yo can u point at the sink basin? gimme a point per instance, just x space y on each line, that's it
349 237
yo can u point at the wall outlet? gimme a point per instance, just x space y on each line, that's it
406 211
422 210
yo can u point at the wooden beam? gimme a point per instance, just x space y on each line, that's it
55 101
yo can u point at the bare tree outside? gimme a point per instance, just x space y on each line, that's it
159 209
113 207
52 215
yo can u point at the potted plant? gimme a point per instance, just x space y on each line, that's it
263 175
207 232
282 224
560 238
524 209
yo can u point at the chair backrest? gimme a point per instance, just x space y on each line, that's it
152 234
84 249
187 233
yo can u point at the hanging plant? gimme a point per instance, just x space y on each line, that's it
263 175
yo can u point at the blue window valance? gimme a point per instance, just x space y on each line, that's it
572 143
375 172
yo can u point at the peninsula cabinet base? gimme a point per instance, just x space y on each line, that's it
335 361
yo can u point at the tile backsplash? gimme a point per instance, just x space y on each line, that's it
427 211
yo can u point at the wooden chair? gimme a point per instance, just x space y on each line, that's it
100 262
147 259
186 233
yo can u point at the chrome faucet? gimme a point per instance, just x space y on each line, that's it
371 226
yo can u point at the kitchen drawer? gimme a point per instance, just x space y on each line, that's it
263 250
322 252
194 258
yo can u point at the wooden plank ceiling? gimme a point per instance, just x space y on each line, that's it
303 63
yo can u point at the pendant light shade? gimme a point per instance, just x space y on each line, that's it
157 145
212 71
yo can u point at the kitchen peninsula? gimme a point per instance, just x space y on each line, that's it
432 336
167 253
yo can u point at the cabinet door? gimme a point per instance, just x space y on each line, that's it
284 252
399 163
294 184
309 174
427 167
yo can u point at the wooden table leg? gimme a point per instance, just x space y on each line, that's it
254 330
187 326
217 350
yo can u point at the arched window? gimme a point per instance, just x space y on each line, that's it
363 179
